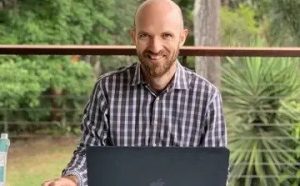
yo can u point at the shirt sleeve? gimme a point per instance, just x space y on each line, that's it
215 134
94 133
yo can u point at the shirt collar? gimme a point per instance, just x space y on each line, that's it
137 78
180 80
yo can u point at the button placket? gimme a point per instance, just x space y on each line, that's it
155 120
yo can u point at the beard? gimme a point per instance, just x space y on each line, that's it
160 67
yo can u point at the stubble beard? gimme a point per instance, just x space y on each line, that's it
156 70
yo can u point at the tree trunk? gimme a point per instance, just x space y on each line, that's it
56 96
96 64
206 33
7 4
225 2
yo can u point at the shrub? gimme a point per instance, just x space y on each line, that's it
42 88
260 138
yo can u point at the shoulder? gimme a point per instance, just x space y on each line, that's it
201 85
122 75
121 72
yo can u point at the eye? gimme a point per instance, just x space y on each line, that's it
143 36
167 36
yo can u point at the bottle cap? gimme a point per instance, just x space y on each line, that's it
4 135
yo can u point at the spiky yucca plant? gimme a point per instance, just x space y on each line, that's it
260 140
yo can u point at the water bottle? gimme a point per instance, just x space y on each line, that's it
4 144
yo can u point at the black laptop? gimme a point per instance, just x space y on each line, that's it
157 166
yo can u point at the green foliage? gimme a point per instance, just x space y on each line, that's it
123 19
66 22
284 25
278 20
16 84
187 7
42 86
260 138
63 74
291 112
239 26
26 85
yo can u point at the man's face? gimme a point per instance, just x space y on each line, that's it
158 36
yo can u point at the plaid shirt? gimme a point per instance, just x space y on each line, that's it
124 111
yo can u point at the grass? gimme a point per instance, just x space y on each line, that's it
31 162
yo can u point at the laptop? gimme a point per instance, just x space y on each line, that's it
157 166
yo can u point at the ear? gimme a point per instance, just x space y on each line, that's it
183 35
132 35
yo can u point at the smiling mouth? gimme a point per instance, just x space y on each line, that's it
155 57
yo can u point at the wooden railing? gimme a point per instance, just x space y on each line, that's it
130 50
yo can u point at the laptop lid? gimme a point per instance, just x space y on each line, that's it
157 166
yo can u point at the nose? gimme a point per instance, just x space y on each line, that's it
155 45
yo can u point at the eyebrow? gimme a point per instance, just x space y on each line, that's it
164 32
143 32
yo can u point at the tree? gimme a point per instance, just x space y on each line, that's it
206 27
57 22
7 3
283 14
243 31
25 85
225 2
272 17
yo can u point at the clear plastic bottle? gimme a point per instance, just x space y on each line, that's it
4 144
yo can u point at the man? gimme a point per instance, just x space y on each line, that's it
156 102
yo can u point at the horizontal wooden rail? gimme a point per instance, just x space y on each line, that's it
130 50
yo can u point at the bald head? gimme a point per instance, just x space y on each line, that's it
160 8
